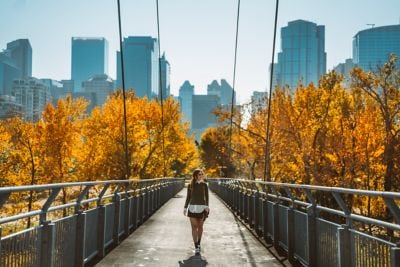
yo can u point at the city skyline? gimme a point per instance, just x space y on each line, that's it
199 50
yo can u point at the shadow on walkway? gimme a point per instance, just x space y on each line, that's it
193 261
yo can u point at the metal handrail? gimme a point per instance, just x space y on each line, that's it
345 211
6 191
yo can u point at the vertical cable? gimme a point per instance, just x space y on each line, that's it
127 169
233 83
161 91
267 169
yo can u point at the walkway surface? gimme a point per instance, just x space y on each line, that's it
165 240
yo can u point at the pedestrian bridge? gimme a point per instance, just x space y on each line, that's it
140 223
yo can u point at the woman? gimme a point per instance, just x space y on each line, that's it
196 206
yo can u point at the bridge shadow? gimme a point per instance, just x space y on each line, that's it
193 261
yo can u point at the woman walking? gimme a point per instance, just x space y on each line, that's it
196 206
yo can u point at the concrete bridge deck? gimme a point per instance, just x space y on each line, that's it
165 240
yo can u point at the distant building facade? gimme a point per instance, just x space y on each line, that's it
89 58
21 51
186 93
9 107
140 66
223 91
344 69
303 56
101 85
56 89
165 77
203 116
8 73
33 95
371 47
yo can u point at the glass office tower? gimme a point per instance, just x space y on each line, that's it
140 66
372 47
303 56
89 58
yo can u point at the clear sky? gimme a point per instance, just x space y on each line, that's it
197 35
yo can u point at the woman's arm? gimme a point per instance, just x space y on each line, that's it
188 195
206 192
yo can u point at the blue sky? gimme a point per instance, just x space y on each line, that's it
197 36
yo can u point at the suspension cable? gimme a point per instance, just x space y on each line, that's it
233 82
127 169
267 169
161 91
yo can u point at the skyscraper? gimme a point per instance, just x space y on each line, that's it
223 91
186 93
21 51
165 77
203 117
372 47
303 56
89 58
140 66
9 72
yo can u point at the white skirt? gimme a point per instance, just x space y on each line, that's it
196 208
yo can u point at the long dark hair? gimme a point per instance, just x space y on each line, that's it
194 176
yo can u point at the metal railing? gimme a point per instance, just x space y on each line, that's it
288 215
96 224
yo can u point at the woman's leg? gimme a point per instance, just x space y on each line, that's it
194 224
200 222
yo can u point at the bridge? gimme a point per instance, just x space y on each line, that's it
140 223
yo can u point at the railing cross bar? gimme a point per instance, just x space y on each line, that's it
394 209
103 191
47 204
341 203
81 196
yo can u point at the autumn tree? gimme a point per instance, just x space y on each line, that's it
383 87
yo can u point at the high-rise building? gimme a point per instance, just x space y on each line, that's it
203 115
165 77
21 51
303 56
9 72
32 95
223 91
186 93
140 66
371 47
89 58
101 85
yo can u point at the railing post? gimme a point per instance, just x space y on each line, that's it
80 239
290 233
312 236
47 247
101 231
127 212
117 203
344 253
265 219
256 215
395 255
275 210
